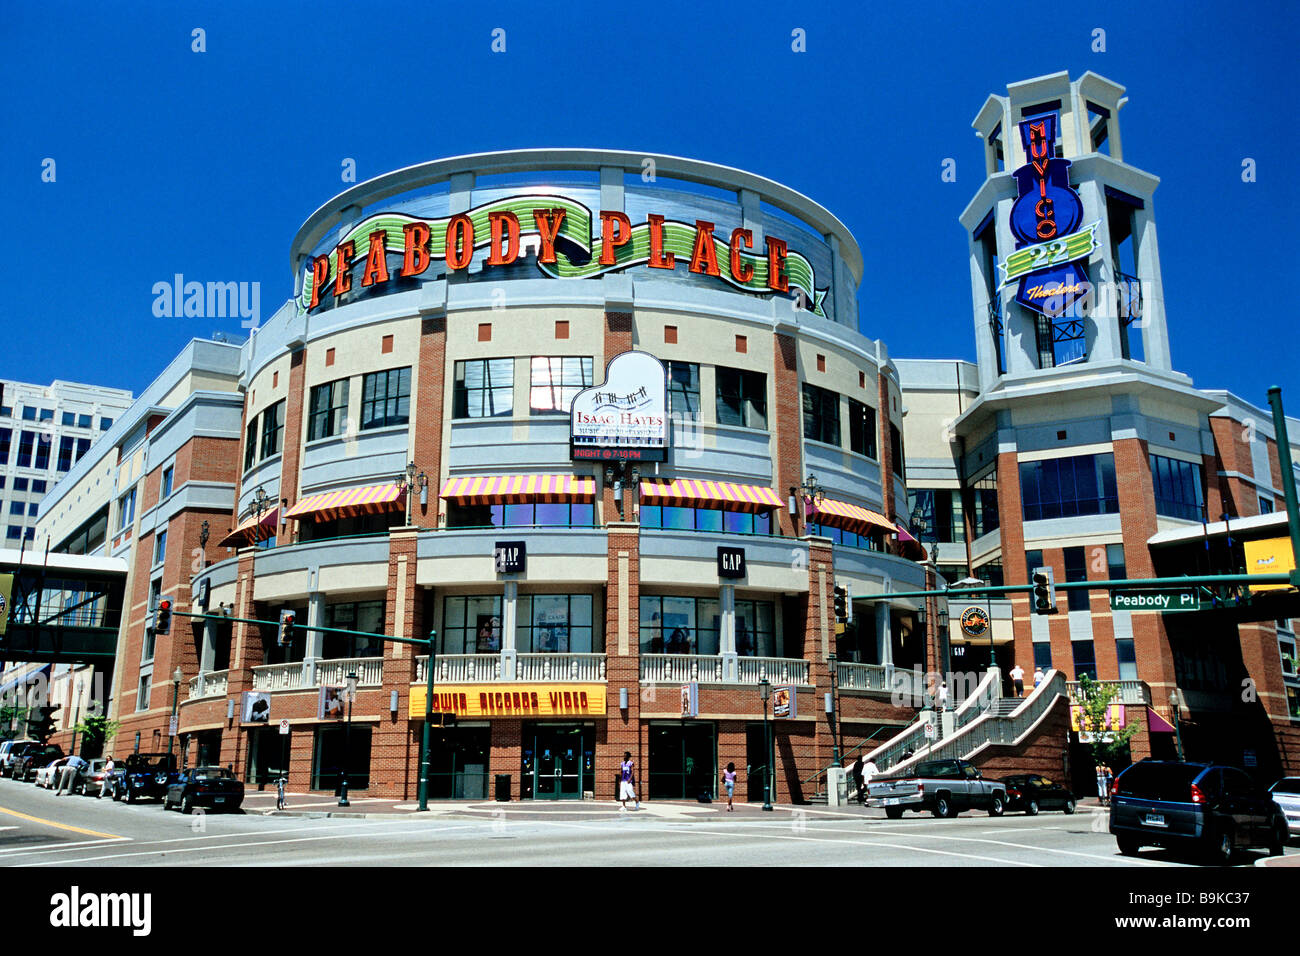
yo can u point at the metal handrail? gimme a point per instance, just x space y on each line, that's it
847 753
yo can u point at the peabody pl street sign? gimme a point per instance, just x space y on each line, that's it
1154 601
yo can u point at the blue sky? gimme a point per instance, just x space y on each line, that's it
206 164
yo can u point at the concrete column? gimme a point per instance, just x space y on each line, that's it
727 637
1155 334
884 645
208 652
315 618
509 615
1102 333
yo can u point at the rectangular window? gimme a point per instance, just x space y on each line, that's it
47 414
83 421
168 475
6 411
1124 650
686 625
142 693
17 508
83 446
1115 568
272 430
554 624
1265 505
1179 488
29 413
250 444
367 616
939 515
69 418
386 398
14 533
1085 659
1287 650
155 593
329 409
984 496
1043 655
821 415
683 391
554 381
66 444
862 428
484 388
160 547
338 747
26 443
105 424
1076 569
706 519
44 445
126 510
6 438
31 508
1066 487
742 398
471 625
896 448
20 484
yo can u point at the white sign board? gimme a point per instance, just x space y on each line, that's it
284 728
626 417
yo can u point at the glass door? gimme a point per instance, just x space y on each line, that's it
560 762
756 759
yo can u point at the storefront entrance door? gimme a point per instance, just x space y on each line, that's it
561 762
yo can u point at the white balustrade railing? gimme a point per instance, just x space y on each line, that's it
211 684
334 673
777 670
560 667
681 668
461 669
278 676
1129 691
863 677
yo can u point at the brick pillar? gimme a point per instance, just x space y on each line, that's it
618 334
819 641
395 740
506 755
292 439
245 653
427 416
622 662
1155 659
1015 569
787 421
885 446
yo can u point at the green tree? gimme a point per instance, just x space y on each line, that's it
96 731
13 722
1094 699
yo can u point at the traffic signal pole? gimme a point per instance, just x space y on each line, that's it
1288 478
423 795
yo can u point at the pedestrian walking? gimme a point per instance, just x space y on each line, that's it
627 782
1103 784
108 779
729 781
856 772
279 792
68 775
1018 680
1039 677
943 695
868 771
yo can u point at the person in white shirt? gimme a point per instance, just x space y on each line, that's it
869 770
1018 680
1039 676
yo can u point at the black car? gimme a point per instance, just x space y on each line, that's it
1030 792
1206 808
214 788
144 776
30 761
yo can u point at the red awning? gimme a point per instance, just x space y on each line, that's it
252 530
1157 724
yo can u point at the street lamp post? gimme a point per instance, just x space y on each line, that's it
765 692
408 481
1176 705
76 706
428 719
347 740
177 676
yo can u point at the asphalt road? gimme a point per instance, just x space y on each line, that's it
38 829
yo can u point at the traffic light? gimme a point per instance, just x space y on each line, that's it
1044 597
40 722
286 628
841 604
162 616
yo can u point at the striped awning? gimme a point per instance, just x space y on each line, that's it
252 530
689 493
503 489
348 501
849 517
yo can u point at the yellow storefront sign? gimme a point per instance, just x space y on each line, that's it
1113 720
1270 556
6 596
511 700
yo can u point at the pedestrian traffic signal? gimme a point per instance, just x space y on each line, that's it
162 616
1044 597
40 722
286 628
841 604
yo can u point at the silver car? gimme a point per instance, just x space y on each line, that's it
1286 794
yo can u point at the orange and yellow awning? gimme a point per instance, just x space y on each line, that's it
849 517
689 493
348 501
504 489
251 529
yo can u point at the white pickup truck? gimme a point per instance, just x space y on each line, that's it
944 787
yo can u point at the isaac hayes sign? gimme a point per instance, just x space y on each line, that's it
626 418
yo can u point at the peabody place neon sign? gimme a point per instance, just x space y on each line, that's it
567 247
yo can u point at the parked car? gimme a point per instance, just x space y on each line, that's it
90 779
145 776
30 761
944 787
215 788
48 776
1205 808
1030 792
10 751
1286 794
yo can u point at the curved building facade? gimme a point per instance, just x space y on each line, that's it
602 423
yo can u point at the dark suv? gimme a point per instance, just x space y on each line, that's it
144 776
1207 808
29 761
